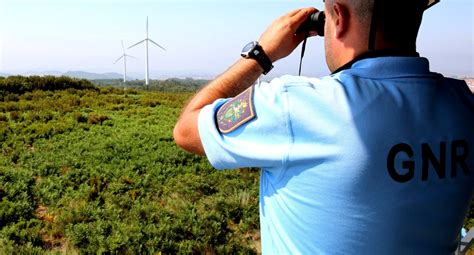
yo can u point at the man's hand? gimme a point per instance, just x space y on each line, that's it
280 39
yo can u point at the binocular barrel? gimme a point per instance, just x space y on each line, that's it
315 22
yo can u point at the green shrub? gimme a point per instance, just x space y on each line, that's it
80 118
96 119
13 86
15 116
16 193
11 97
24 234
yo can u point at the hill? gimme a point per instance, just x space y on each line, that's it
72 74
168 85
12 86
92 76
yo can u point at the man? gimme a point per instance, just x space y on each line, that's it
376 158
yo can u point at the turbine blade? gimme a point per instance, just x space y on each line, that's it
157 44
123 49
131 56
136 44
118 59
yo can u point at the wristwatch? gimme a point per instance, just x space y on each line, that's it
253 50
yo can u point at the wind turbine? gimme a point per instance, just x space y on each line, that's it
146 40
124 56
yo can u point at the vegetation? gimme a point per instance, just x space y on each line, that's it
17 85
88 170
95 170
169 85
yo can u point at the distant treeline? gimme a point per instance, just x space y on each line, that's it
22 84
18 85
168 85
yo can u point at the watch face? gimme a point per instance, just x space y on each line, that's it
249 46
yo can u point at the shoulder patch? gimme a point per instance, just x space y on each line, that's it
236 112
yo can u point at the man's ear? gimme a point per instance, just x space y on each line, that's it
341 19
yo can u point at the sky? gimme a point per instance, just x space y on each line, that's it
202 37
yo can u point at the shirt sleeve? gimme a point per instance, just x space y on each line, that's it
264 141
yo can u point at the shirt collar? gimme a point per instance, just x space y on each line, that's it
387 63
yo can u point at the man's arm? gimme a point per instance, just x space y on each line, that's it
278 41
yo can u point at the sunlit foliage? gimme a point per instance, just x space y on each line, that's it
87 170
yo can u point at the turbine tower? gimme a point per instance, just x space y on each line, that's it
124 56
146 40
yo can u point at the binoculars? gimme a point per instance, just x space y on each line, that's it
315 22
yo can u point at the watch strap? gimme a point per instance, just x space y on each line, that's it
253 50
263 59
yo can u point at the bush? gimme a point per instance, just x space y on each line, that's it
80 118
16 193
14 116
96 119
13 86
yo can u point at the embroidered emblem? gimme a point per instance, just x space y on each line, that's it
236 112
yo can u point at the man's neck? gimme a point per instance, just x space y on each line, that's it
400 52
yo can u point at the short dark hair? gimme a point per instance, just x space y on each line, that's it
362 9
397 20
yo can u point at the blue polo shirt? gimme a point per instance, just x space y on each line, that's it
376 159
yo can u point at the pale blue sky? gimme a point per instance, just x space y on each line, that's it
202 38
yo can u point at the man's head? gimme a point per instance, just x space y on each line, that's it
348 26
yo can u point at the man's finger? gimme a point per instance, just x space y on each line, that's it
294 12
303 13
301 16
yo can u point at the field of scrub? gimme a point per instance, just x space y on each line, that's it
86 169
